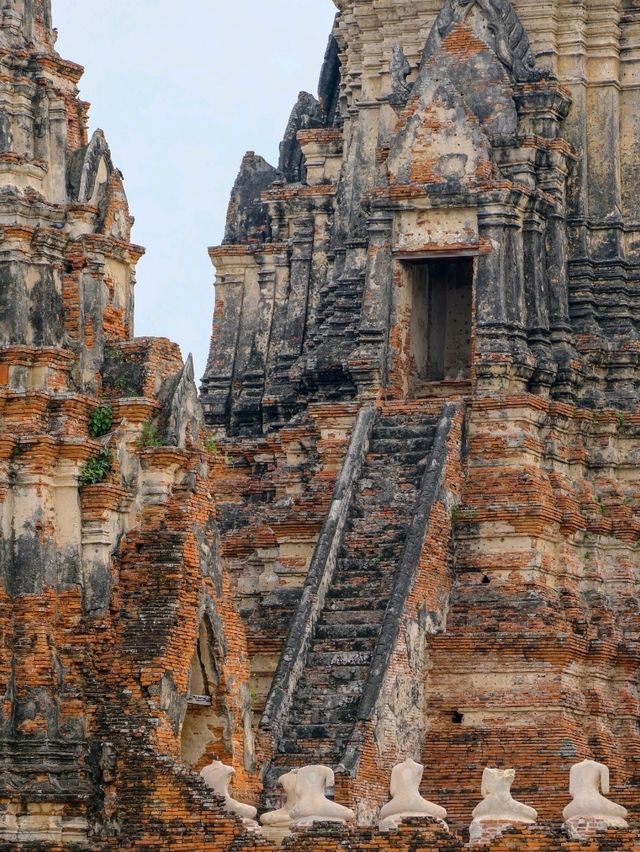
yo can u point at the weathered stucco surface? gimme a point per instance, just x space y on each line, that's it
402 519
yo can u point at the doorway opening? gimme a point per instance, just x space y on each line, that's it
441 293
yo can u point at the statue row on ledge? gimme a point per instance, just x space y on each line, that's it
307 803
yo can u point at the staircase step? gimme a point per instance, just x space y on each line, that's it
300 737
353 617
399 448
374 558
293 753
339 644
376 495
326 703
339 680
339 708
347 631
336 603
404 431
374 573
312 732
339 658
351 586
404 462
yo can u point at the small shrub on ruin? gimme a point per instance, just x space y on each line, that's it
149 436
114 354
101 421
97 468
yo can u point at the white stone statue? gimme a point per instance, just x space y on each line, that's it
586 781
498 804
498 810
282 817
218 776
311 803
406 800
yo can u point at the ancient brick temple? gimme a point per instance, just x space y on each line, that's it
402 519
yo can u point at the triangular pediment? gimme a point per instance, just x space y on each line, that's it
498 25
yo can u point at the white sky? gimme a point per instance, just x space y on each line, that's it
182 90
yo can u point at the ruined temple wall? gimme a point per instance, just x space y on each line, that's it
536 667
271 498
106 526
105 588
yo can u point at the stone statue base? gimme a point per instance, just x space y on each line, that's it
276 834
251 825
583 828
330 827
482 833
394 822
310 821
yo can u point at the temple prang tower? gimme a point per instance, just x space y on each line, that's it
445 253
551 243
109 578
402 518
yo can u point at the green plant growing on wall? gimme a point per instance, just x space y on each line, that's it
101 421
123 387
211 445
115 354
149 436
97 468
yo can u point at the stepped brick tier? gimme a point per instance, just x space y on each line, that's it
402 520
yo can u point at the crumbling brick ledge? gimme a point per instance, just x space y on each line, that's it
413 835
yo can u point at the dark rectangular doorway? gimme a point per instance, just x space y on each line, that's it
441 318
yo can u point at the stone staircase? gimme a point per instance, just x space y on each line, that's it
325 701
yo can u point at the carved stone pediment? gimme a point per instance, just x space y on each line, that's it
505 33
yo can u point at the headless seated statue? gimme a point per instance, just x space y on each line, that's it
311 803
586 781
218 777
498 804
282 817
406 800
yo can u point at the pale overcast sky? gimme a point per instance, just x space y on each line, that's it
182 90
